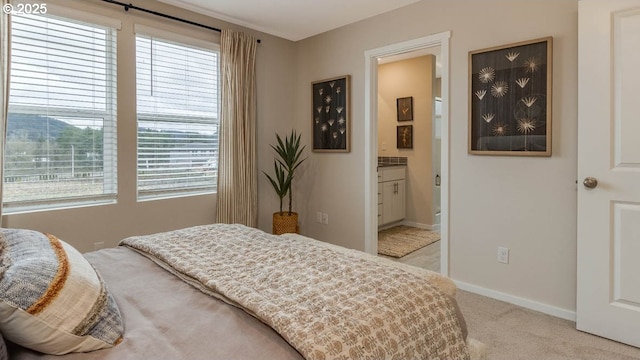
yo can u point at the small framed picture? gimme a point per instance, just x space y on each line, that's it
405 137
405 108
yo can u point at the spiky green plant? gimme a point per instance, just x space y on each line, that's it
290 158
281 183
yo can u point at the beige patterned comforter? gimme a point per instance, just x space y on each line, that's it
327 304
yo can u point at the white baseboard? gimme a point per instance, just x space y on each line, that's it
434 227
515 300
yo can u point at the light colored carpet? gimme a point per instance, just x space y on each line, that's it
515 333
511 332
399 241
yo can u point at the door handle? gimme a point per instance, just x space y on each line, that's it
590 182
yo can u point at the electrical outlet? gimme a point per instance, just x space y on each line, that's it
98 245
319 217
325 218
503 255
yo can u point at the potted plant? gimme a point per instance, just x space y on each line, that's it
289 158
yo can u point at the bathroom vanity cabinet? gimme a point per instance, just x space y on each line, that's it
391 194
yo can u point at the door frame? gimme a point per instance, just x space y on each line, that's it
371 138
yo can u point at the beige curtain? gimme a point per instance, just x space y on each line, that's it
237 167
5 55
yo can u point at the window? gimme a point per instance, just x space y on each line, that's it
61 128
177 107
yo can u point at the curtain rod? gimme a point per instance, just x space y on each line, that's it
131 6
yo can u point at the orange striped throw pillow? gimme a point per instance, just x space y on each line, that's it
51 299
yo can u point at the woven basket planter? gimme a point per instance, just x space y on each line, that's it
285 223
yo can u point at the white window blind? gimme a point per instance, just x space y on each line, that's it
61 128
177 107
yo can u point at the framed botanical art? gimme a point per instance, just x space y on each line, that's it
331 115
405 108
404 137
510 99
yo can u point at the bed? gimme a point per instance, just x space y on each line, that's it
231 292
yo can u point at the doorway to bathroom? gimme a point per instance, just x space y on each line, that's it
409 104
431 131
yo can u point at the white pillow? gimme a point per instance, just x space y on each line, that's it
51 299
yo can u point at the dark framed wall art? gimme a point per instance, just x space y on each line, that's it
405 108
404 136
510 99
331 119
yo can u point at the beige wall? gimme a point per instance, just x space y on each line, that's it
524 203
411 77
82 227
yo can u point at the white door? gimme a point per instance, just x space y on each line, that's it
608 298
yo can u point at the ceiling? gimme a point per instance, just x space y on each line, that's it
291 19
